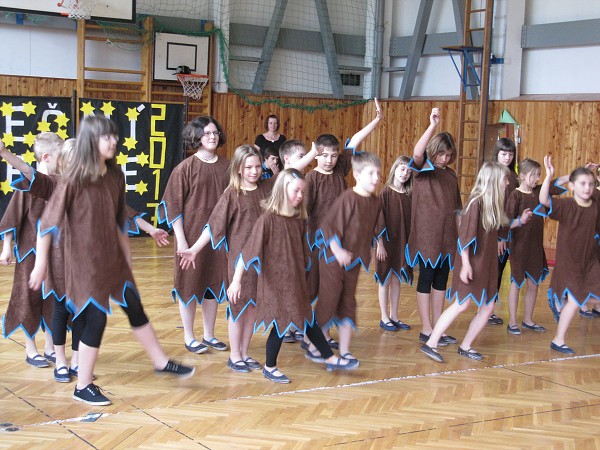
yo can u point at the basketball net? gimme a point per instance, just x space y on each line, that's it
78 9
193 84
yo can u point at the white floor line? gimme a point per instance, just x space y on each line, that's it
325 388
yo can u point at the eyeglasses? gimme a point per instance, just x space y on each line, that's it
211 133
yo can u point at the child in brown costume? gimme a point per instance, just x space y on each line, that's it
279 253
349 231
392 267
192 192
436 200
27 308
476 271
576 274
88 206
229 227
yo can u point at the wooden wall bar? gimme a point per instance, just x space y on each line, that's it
570 130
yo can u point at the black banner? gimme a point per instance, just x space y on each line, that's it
21 119
150 146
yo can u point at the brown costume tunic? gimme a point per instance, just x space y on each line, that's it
90 218
230 227
483 255
352 222
436 200
526 244
192 192
43 186
323 190
577 270
278 251
26 308
513 183
396 216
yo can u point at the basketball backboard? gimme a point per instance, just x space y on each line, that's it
174 50
120 10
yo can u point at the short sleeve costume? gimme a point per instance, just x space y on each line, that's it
436 200
483 255
192 192
396 212
230 226
352 222
278 251
577 270
90 218
26 308
42 186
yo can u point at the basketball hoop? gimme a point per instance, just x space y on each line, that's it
193 84
78 9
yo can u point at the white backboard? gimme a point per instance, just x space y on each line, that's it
173 50
121 10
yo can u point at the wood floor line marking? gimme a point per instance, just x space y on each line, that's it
343 386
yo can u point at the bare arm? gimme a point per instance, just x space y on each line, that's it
188 256
38 274
356 140
6 257
466 272
158 234
303 163
342 256
235 287
381 252
545 189
16 162
421 145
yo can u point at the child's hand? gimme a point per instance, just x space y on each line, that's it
378 109
548 166
188 259
434 118
275 169
592 167
526 215
317 150
6 258
466 273
501 247
342 256
36 278
381 253
234 291
160 236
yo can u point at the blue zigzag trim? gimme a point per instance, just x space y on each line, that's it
291 326
559 187
354 151
559 299
92 301
229 313
427 165
52 293
478 301
403 277
162 215
337 322
131 223
42 325
221 243
23 178
412 262
254 262
539 211
471 242
219 297
545 273
329 260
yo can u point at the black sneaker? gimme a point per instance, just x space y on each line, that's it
174 368
91 395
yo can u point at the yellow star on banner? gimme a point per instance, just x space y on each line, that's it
29 157
107 108
7 109
8 139
43 126
122 159
129 143
5 187
132 113
141 187
62 120
62 132
142 159
28 108
29 138
87 108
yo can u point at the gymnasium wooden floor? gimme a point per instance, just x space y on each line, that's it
522 395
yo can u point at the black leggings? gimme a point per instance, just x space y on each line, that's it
94 320
433 277
60 321
501 265
314 333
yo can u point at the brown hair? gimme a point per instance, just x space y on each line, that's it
271 116
441 142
